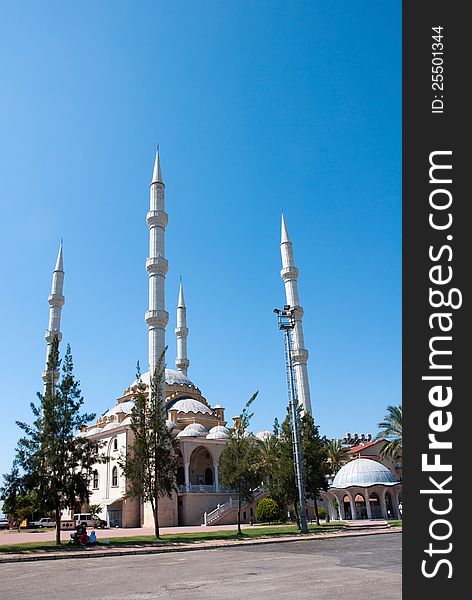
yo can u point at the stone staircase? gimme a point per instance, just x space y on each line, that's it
222 510
359 525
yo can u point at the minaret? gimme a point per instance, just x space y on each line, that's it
156 265
181 362
56 302
289 274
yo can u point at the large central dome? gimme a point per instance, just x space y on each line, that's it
172 377
363 472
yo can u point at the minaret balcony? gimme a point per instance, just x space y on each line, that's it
289 274
157 218
56 300
300 355
156 318
181 331
157 265
50 335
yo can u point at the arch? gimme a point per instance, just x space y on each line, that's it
346 502
114 476
361 509
375 507
201 460
389 505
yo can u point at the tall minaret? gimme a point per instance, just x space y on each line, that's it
181 362
289 274
156 265
56 302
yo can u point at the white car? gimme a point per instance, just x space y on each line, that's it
44 522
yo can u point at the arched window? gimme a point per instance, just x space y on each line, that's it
115 444
114 477
95 480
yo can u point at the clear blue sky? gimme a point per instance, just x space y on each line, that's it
257 105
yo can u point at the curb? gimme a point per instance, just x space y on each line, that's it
64 555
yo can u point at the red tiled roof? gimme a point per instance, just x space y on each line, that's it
363 446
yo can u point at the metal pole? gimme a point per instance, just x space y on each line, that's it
287 327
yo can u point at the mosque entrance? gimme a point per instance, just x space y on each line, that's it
115 514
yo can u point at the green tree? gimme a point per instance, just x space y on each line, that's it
150 464
391 428
267 510
338 455
315 456
50 452
240 461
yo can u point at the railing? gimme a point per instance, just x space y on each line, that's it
219 510
203 489
231 503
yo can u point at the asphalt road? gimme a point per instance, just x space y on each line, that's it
331 569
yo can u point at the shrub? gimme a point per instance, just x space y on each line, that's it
322 512
267 509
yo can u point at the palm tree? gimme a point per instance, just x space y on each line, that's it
391 429
338 455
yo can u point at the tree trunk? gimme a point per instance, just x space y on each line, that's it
316 512
239 515
57 512
156 516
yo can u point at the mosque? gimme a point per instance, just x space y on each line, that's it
199 425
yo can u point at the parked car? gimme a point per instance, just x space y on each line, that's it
89 520
4 524
44 522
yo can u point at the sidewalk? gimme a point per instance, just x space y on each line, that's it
99 552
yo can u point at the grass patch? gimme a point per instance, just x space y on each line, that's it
398 523
173 538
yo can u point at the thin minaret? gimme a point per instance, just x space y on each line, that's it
56 302
181 362
289 274
156 265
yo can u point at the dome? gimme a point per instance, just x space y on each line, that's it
172 377
124 407
109 426
363 472
193 430
218 433
264 435
189 405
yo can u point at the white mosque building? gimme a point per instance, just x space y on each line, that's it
200 426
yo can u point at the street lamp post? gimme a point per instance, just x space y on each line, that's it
286 323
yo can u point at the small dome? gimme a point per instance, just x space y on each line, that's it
123 407
218 433
264 435
193 430
189 405
93 431
112 425
363 472
126 421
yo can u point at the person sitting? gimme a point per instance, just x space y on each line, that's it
93 538
82 536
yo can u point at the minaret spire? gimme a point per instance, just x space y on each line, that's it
156 265
181 362
56 302
289 274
